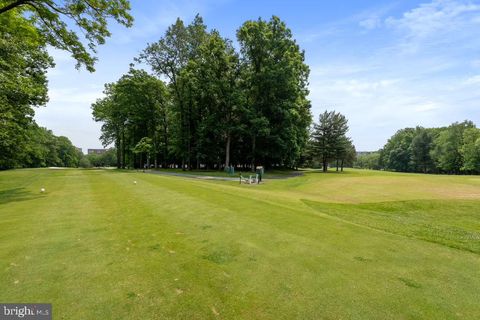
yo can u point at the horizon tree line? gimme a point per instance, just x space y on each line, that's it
452 150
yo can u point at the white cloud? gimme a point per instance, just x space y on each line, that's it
475 80
440 21
430 18
371 23
429 106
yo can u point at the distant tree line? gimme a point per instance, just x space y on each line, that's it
454 150
209 106
41 148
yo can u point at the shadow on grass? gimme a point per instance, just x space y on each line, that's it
15 195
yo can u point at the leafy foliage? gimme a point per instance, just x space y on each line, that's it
454 149
219 107
134 107
23 83
44 149
106 159
50 19
26 28
275 79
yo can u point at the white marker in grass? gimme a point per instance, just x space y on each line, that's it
135 182
42 190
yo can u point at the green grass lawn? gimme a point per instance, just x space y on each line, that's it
352 245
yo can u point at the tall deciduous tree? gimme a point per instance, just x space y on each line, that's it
168 57
275 79
23 84
213 81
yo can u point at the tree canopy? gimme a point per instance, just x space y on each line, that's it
23 83
329 141
220 107
51 19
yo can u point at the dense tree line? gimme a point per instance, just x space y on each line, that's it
27 27
217 107
106 159
42 148
368 160
454 149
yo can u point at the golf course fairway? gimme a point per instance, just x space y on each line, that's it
352 245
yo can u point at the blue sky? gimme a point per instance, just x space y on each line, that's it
386 65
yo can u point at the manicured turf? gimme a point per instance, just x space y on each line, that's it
360 244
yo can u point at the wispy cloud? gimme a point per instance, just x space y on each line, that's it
371 23
438 16
435 23
475 80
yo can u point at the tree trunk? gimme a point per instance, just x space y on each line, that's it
337 164
123 148
165 145
341 164
227 151
119 150
253 153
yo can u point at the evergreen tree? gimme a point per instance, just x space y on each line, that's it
329 137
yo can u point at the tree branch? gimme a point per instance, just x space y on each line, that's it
12 5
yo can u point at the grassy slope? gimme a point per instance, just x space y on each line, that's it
98 247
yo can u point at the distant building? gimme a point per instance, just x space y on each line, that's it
96 151
361 153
